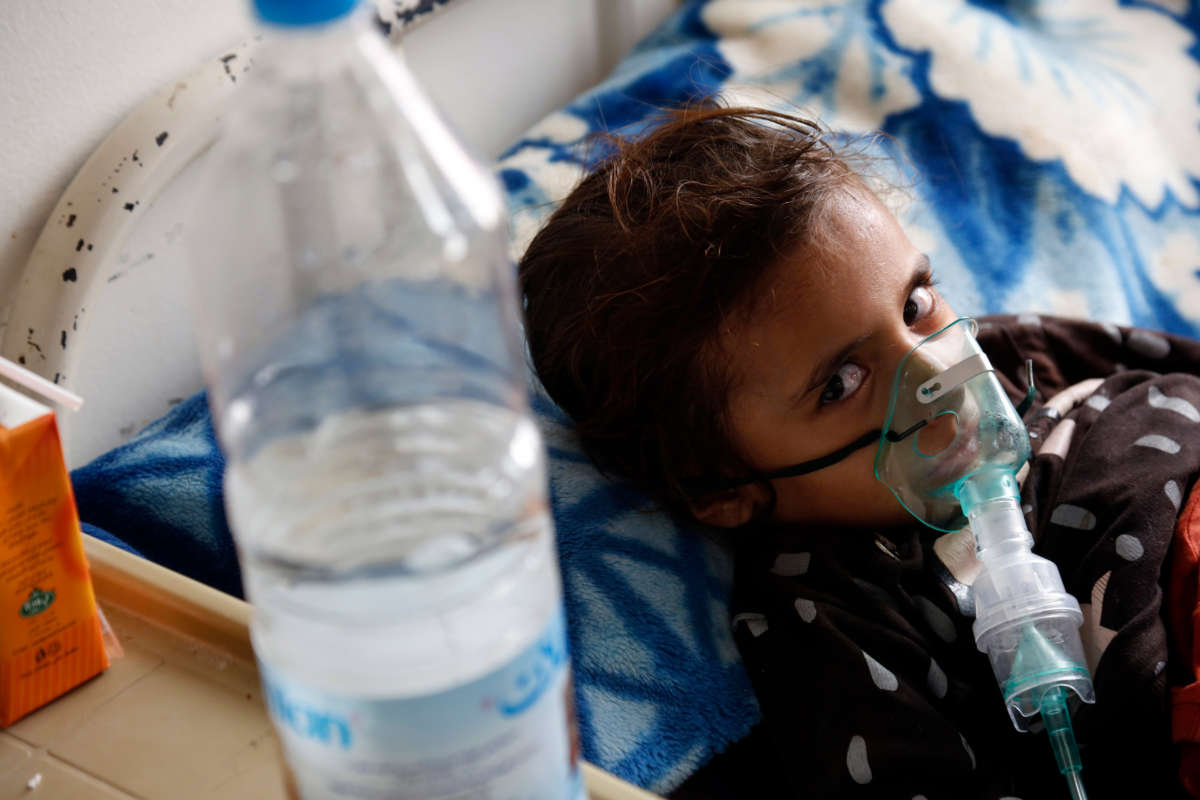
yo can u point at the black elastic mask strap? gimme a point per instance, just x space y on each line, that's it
828 460
804 467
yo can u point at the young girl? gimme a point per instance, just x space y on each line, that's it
720 306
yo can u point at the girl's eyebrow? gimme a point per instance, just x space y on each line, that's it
922 272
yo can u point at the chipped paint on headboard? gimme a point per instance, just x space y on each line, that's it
398 16
114 186
79 251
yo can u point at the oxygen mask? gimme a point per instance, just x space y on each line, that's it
947 421
951 445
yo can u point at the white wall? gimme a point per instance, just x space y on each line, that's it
498 66
72 69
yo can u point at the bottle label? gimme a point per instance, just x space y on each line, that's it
509 735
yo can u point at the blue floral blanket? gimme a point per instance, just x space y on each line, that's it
1050 156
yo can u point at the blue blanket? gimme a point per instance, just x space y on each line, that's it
1049 157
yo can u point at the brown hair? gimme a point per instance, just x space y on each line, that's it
630 280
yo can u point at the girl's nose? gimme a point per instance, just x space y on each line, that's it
899 343
941 431
916 360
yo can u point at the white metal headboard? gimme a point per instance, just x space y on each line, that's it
83 250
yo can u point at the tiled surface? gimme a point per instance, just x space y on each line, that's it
178 716
172 718
171 734
58 718
13 755
32 775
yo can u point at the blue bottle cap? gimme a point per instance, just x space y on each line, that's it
302 12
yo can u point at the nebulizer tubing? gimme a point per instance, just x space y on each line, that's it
956 446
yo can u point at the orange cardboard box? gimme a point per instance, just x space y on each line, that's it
50 630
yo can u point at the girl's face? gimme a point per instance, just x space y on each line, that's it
813 364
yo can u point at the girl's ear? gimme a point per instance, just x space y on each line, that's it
733 508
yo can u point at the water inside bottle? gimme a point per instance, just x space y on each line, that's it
416 537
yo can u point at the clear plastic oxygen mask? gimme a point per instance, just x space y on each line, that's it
951 447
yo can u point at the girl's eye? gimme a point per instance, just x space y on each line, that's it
919 304
844 383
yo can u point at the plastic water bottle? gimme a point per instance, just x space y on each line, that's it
386 486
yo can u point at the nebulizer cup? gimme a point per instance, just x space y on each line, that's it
951 446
